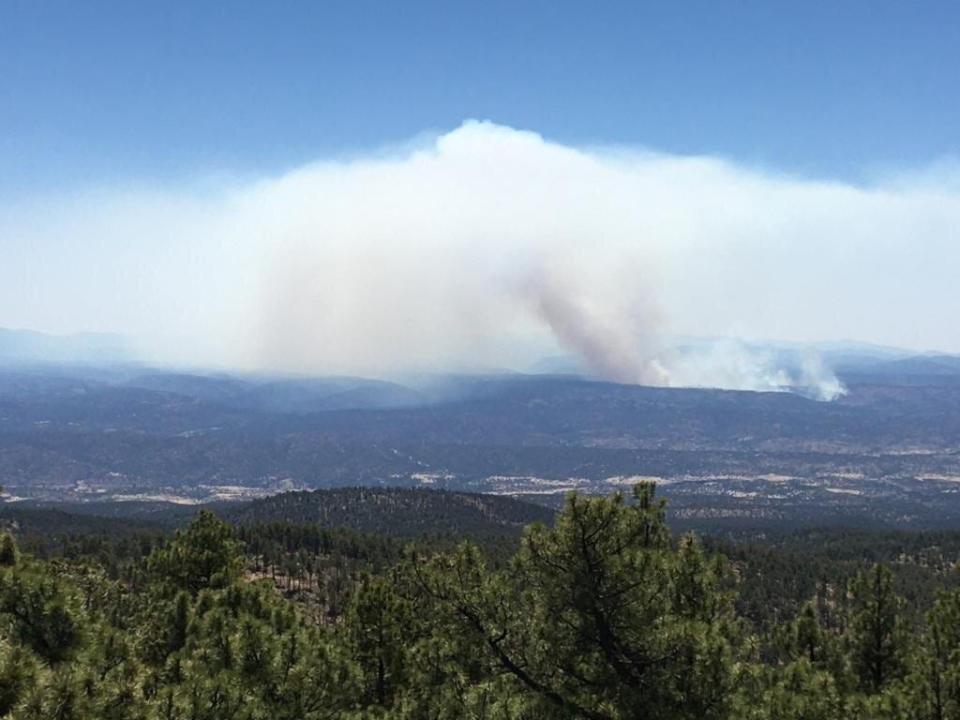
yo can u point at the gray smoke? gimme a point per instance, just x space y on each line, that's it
611 344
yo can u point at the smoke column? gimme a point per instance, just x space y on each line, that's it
611 342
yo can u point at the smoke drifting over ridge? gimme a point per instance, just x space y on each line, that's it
490 247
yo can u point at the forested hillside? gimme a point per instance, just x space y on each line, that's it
603 615
395 511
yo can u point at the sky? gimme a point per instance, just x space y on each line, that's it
105 91
191 173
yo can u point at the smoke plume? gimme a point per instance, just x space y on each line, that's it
488 247
611 341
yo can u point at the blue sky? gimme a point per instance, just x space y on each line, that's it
105 92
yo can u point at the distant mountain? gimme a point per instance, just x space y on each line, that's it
856 349
29 347
557 365
215 388
322 394
299 396
395 511
935 365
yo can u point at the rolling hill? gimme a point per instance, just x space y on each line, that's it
394 511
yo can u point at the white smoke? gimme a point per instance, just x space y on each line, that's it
735 365
491 247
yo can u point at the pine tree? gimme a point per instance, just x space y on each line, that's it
598 617
377 622
206 555
42 611
18 674
877 634
934 680
8 550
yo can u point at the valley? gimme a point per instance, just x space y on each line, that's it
887 453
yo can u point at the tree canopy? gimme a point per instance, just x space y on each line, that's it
602 615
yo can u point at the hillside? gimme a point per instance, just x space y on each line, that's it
394 511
